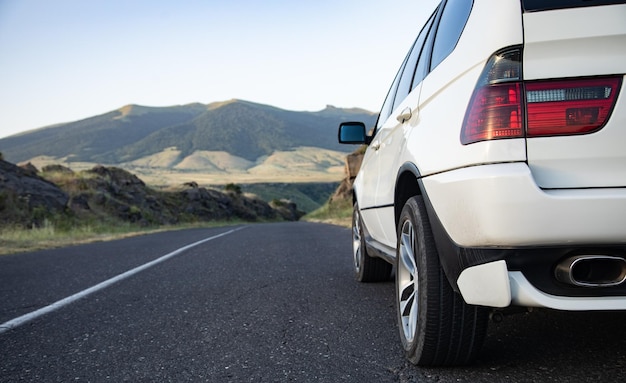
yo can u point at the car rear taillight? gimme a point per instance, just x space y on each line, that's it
503 106
495 110
569 107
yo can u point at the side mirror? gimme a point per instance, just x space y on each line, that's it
352 133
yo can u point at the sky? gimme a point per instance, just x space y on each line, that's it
66 60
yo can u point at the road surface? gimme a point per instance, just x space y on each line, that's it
256 303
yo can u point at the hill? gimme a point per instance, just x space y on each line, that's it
244 130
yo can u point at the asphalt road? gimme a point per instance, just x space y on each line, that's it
263 303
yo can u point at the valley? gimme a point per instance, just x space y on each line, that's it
169 168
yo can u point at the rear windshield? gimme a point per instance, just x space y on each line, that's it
543 5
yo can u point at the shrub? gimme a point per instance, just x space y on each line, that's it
233 188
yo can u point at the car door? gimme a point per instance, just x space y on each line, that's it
390 141
366 183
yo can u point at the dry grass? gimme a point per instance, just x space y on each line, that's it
337 213
17 239
303 165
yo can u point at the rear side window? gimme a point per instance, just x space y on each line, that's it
424 61
451 25
409 71
386 109
543 5
405 74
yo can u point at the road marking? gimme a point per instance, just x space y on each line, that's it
4 327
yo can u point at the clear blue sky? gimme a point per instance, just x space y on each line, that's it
65 60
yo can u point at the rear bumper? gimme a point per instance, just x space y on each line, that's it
500 236
500 205
493 285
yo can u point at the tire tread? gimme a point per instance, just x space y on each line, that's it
454 331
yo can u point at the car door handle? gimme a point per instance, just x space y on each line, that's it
375 145
405 115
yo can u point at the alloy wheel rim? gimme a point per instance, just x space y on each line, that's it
356 242
407 286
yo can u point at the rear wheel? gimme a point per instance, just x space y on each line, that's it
437 327
366 268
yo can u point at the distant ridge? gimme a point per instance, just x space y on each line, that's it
243 129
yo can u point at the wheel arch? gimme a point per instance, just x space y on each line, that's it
409 184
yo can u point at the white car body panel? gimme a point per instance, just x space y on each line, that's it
579 42
500 205
365 186
525 294
435 135
393 144
591 160
486 285
437 148
575 42
493 285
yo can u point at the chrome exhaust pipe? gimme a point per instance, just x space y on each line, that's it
592 270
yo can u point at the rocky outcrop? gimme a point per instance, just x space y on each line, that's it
352 167
27 199
287 209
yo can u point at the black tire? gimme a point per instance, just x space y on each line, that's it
437 327
366 267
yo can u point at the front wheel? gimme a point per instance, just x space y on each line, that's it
366 267
437 328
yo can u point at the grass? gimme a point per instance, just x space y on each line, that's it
53 229
336 213
308 196
49 235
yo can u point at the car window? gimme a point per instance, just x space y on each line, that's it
386 109
420 70
404 85
453 19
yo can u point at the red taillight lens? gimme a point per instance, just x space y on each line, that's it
569 107
504 106
495 112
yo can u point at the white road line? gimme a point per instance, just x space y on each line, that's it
72 298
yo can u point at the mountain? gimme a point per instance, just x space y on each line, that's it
92 137
241 132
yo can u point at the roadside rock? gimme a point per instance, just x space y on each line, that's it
287 209
29 168
27 199
352 166
110 193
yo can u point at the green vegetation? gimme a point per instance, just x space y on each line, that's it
58 229
18 238
338 212
57 233
232 188
66 207
62 229
308 196
14 207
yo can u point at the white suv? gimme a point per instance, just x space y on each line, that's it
496 173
